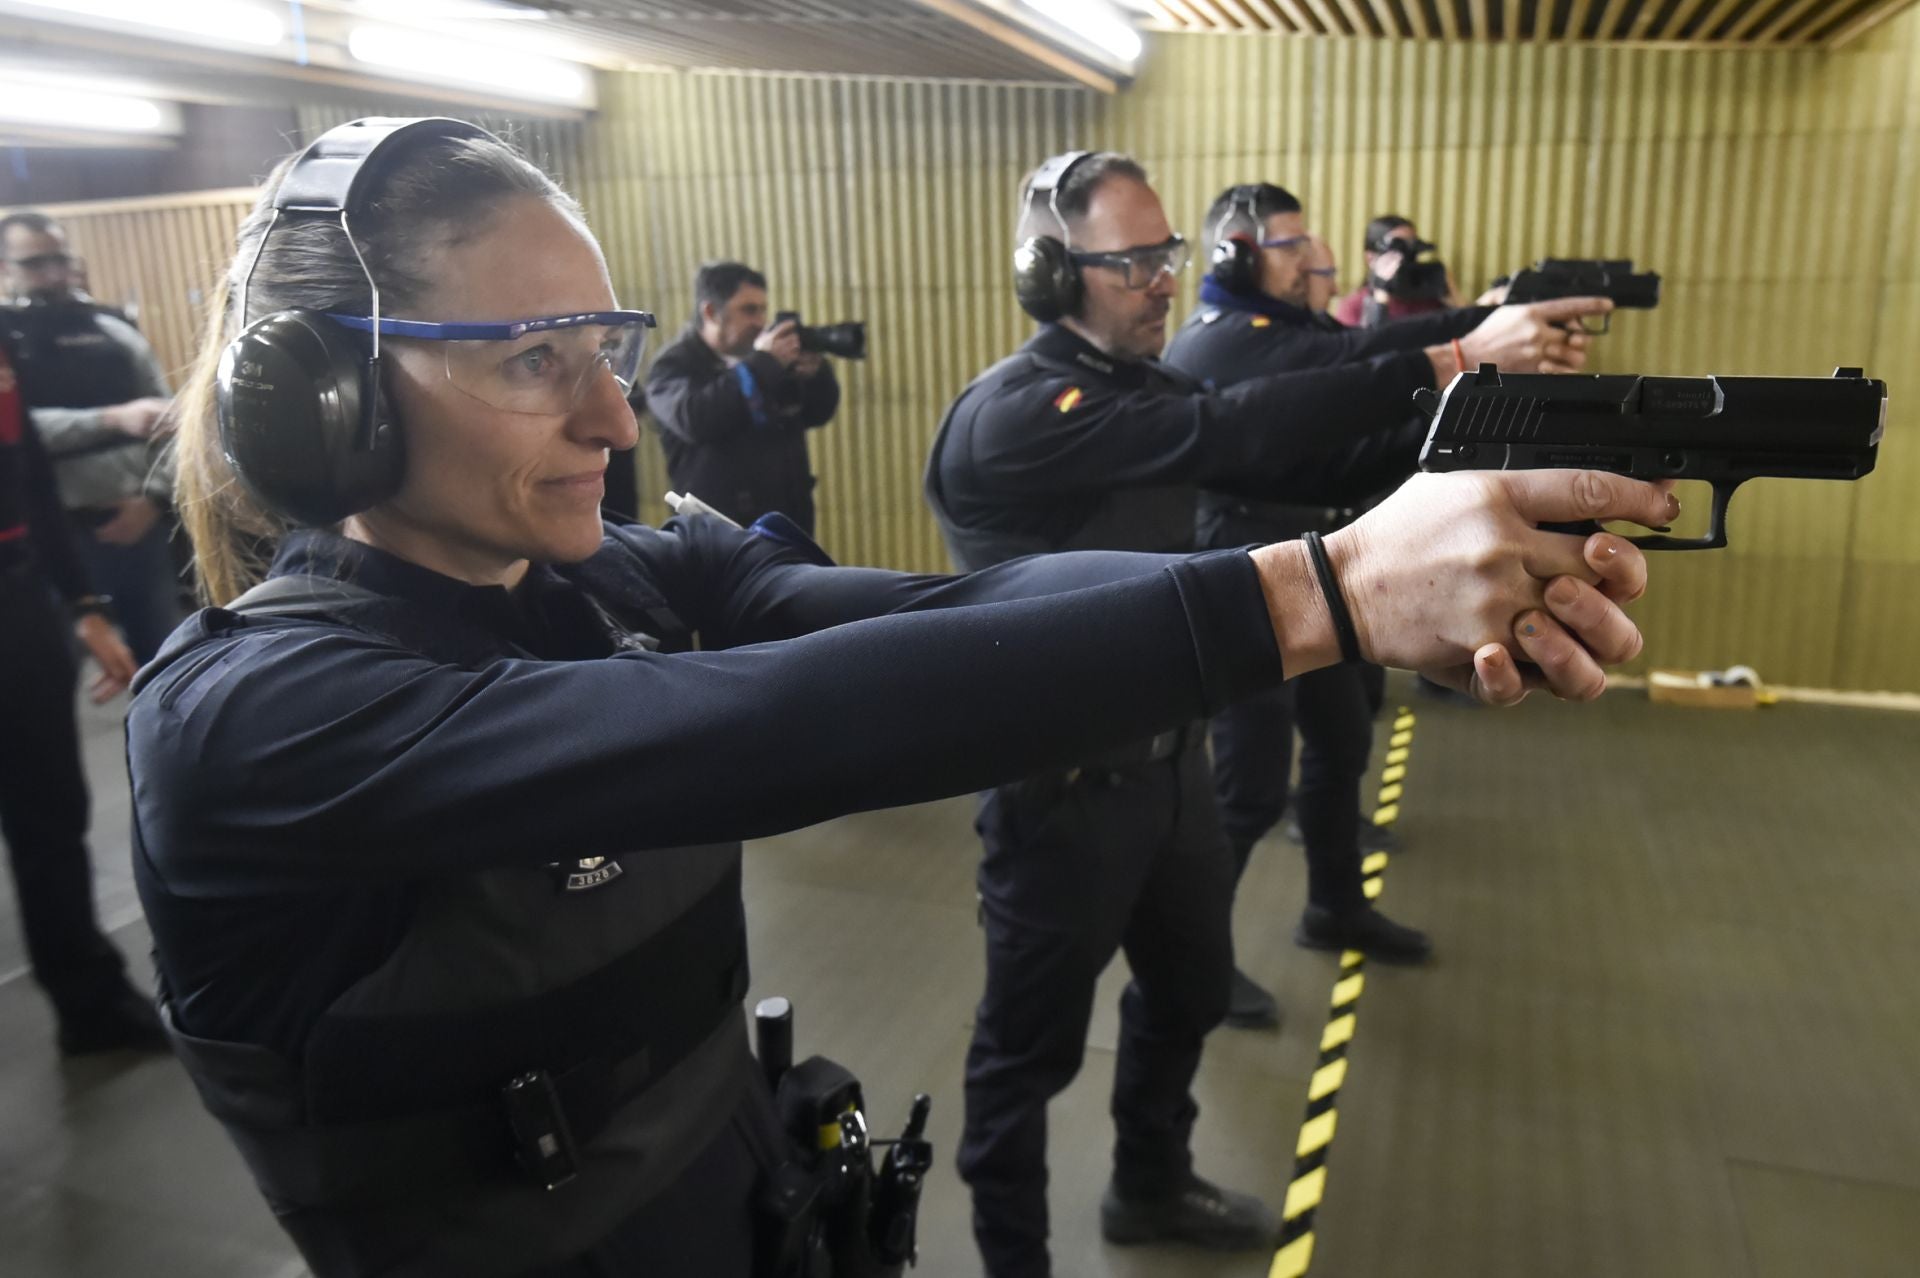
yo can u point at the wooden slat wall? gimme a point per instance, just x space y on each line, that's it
1774 190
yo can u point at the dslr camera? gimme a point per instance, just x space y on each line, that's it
847 340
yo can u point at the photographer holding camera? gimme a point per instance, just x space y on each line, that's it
735 399
1399 282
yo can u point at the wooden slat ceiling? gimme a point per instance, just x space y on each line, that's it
841 37
1715 23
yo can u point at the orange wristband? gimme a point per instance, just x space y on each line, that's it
1459 357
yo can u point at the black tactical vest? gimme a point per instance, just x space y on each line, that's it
72 355
386 1149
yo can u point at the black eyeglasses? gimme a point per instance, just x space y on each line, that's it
43 261
1141 266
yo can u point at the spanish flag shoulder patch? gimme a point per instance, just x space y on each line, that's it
1067 399
1260 321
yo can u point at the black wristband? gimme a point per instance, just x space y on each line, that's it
1336 602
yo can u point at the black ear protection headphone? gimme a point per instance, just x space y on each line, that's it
1235 260
303 422
1046 279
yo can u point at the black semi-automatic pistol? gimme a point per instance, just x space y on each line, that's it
1611 278
1724 430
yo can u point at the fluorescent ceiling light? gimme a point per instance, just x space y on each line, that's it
44 104
502 69
229 20
1095 21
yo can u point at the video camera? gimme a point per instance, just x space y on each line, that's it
1420 278
847 340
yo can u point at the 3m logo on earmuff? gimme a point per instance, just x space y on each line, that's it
250 375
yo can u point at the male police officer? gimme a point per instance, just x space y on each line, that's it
735 400
1257 317
100 400
1081 440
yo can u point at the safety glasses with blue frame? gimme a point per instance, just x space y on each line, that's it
540 366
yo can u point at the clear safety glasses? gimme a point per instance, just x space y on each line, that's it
539 366
1142 266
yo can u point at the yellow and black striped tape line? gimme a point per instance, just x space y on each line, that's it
1323 1090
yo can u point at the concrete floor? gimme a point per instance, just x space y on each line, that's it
1674 1028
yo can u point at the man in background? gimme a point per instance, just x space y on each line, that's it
100 402
1259 316
735 399
1083 440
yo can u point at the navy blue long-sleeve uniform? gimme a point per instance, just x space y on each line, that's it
1059 447
292 779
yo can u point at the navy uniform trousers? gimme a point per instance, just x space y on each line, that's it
1253 755
1333 708
1077 866
44 803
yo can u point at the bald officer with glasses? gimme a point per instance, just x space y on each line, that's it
1083 440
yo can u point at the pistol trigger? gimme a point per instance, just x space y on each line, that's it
1716 536
1717 521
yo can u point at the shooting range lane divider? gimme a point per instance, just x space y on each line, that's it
1310 1151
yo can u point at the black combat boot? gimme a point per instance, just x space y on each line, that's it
1365 929
1196 1212
1249 1006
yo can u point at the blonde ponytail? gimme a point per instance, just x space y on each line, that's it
233 537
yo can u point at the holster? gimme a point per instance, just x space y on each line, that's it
816 1190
